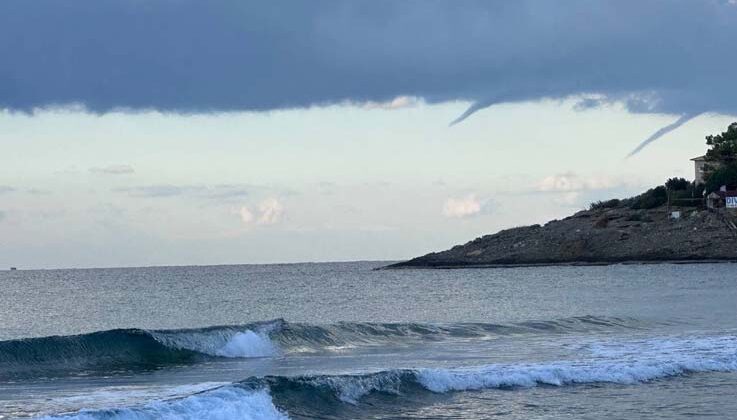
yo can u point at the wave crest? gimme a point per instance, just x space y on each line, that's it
130 349
222 341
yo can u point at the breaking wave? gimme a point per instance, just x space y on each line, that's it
606 362
276 397
130 349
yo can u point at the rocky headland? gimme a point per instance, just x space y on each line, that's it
599 236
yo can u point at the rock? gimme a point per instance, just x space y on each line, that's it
598 237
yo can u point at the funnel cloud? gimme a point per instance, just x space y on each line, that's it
663 131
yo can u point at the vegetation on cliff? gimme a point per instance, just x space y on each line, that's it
721 158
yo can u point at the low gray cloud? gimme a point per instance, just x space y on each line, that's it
671 57
156 191
221 192
228 191
6 189
3 215
113 170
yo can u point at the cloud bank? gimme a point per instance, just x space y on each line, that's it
227 55
221 192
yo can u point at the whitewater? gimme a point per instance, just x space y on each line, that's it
581 342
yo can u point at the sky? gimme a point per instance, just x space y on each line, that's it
179 132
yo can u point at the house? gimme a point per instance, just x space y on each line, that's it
700 172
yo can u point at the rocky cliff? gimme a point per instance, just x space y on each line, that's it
602 236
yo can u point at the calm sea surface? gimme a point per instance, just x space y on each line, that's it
344 341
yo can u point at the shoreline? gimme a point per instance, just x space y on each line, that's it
399 266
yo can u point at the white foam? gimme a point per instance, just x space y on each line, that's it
624 363
248 344
223 404
224 343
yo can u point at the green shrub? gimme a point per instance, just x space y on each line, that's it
682 193
654 197
608 204
677 184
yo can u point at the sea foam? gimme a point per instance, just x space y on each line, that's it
608 362
228 402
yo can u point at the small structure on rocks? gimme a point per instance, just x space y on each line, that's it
723 198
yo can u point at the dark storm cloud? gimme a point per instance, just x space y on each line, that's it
670 56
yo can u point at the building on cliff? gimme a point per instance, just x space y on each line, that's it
702 168
699 169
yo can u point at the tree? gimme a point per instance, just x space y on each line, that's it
654 197
721 159
677 184
723 147
725 175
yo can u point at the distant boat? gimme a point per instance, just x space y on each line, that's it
13 268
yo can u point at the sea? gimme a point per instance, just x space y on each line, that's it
347 341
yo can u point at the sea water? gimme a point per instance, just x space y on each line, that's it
345 341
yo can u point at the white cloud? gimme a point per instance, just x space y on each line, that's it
245 215
113 170
397 103
271 211
569 182
462 207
